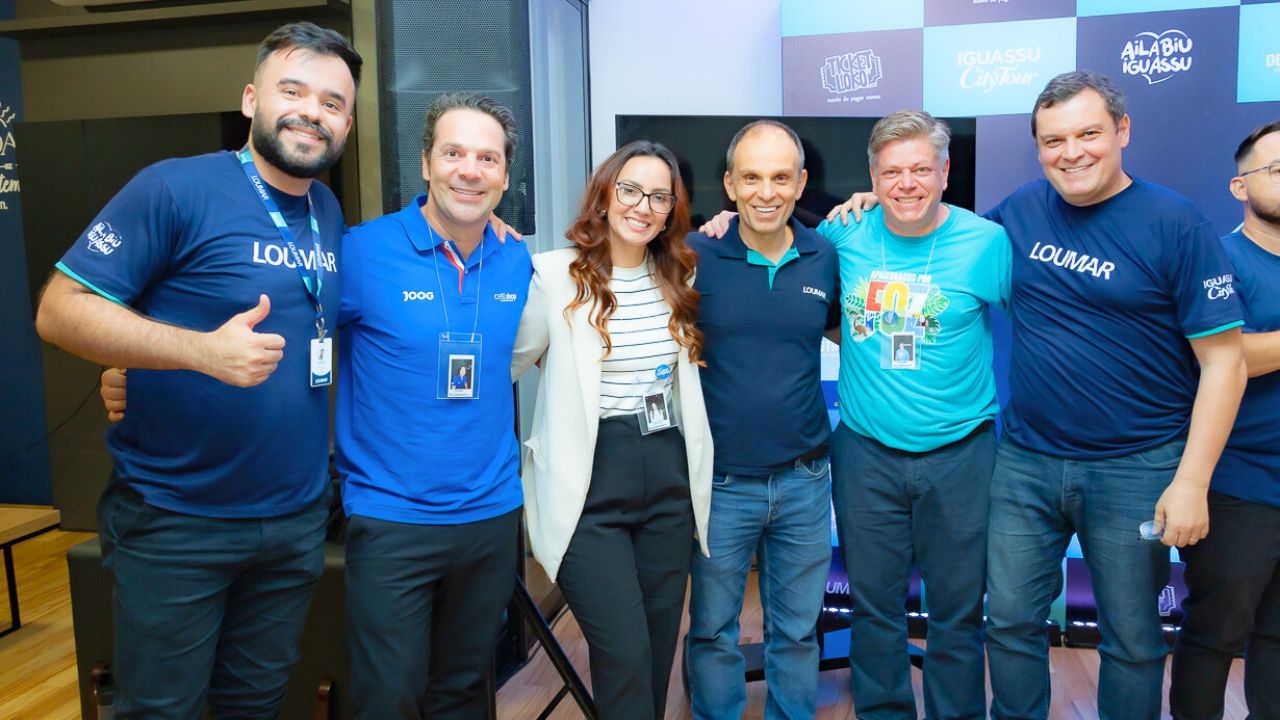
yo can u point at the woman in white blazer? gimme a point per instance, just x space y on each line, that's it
617 471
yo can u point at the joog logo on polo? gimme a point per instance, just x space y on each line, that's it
986 69
1157 56
850 72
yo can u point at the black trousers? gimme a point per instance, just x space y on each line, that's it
1232 605
627 566
424 606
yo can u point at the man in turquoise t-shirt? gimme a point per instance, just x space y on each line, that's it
912 457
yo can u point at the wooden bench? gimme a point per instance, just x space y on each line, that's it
18 523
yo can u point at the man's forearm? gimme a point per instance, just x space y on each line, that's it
1262 352
1222 382
97 329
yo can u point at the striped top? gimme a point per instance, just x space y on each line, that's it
642 344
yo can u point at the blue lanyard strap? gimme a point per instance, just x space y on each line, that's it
311 284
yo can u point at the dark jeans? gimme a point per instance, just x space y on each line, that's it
424 607
1232 606
626 568
1037 502
895 509
206 607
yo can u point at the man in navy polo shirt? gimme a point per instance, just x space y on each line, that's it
431 483
213 523
769 289
1233 575
913 454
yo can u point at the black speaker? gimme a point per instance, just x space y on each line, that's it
428 48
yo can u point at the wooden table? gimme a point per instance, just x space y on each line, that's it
18 523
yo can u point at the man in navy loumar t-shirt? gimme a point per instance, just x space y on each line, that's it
1233 576
1125 377
214 278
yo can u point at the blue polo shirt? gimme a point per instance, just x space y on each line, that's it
405 454
1105 299
1250 464
188 242
763 325
915 351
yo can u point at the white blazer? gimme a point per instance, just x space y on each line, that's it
560 449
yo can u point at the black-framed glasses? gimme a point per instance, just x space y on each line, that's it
1273 170
630 195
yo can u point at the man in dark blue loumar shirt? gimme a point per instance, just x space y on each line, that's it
1119 291
215 279
1233 575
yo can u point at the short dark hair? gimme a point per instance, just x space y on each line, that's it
754 124
471 101
1070 84
1246 145
309 36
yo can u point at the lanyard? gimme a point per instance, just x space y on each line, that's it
312 284
455 259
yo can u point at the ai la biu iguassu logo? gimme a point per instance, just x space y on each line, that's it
1157 56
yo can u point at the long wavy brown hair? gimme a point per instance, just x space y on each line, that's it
673 261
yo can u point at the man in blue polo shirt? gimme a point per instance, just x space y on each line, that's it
431 483
913 454
1233 575
213 524
769 289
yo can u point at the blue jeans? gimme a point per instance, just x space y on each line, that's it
206 606
896 509
784 518
1037 502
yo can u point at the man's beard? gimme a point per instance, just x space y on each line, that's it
271 147
1269 214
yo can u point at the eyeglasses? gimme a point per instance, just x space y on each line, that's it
1273 169
630 195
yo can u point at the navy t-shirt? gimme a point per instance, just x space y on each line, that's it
188 242
1105 298
1250 464
763 328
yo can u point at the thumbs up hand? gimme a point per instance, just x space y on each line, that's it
237 355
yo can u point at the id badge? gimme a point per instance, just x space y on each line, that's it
658 413
903 352
321 362
458 373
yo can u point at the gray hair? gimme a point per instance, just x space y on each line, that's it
909 125
470 101
1069 84
733 144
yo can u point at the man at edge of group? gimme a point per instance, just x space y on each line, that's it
1233 575
913 455
770 289
1119 291
213 523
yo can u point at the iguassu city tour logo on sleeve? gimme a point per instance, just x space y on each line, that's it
8 163
1157 56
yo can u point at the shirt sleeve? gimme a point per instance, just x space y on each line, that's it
1000 253
839 235
1203 284
130 243
352 282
